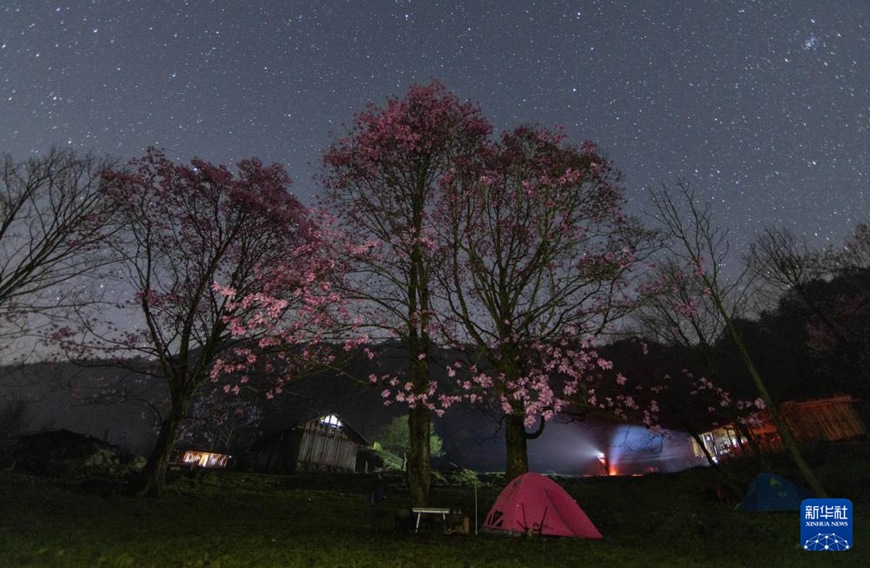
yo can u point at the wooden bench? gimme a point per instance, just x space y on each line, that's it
434 511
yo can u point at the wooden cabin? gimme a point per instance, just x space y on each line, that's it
823 419
322 443
819 420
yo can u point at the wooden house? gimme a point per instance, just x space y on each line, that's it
823 419
322 443
819 420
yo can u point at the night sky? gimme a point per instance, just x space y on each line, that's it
763 106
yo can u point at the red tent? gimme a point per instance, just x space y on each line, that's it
534 504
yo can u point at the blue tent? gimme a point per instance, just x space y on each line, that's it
772 492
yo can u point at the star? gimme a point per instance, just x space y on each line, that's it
761 105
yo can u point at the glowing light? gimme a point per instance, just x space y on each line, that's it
605 467
331 420
210 460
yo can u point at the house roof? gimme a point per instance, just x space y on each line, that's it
329 419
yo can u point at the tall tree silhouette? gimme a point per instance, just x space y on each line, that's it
382 181
190 240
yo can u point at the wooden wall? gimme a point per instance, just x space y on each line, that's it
311 445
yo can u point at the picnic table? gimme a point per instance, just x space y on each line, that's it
434 511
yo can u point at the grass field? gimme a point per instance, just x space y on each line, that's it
234 519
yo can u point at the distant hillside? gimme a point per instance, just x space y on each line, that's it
121 406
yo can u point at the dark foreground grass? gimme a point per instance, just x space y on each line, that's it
233 519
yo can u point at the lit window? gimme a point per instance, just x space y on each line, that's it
331 420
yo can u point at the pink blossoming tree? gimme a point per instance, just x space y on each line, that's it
199 245
219 421
668 394
383 181
539 261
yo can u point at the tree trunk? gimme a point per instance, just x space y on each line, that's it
747 439
516 444
419 456
693 432
700 442
153 480
779 423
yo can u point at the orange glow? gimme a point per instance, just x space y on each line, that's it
206 459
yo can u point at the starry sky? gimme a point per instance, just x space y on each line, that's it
764 106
